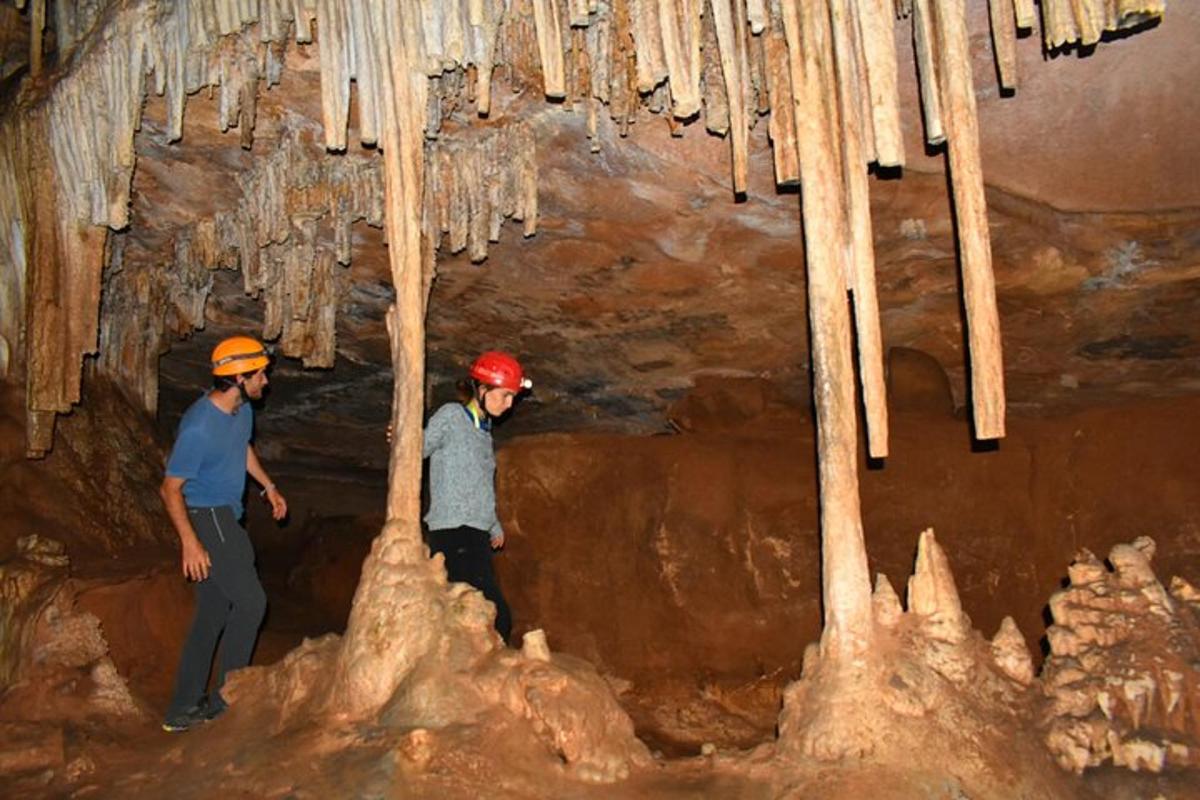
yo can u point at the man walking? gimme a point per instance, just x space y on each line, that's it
202 490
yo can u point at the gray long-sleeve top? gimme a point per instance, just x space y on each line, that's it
462 472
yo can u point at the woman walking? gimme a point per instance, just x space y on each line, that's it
462 520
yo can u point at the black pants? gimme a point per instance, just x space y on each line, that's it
231 599
468 554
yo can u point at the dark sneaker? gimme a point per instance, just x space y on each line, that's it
212 706
178 723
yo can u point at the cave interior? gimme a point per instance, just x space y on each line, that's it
860 458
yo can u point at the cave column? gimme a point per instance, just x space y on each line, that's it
383 636
846 590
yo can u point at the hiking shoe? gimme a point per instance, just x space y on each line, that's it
184 721
212 706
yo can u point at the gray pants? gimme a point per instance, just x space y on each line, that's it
231 599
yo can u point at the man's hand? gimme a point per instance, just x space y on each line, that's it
196 562
278 504
498 542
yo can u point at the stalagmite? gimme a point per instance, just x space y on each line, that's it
885 603
846 587
1122 671
923 45
970 210
874 18
1004 41
534 646
1011 653
850 89
932 593
549 36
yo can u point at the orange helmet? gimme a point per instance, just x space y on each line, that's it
238 355
501 370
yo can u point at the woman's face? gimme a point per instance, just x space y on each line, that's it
498 401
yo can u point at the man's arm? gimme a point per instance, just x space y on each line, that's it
255 468
196 562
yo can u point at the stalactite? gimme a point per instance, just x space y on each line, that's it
970 211
1058 23
731 39
1089 20
879 51
1004 41
923 46
646 31
679 22
1066 22
714 88
625 69
850 89
549 38
73 20
485 26
600 48
1025 13
756 14
862 90
580 13
37 27
757 56
782 124
479 179
336 71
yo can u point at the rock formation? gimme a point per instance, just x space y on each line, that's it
930 678
1123 672
54 661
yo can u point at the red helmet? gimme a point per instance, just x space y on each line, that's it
500 370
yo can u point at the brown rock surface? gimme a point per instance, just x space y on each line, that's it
621 549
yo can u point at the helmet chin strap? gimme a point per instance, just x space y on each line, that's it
481 399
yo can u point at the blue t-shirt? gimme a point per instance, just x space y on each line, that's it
210 454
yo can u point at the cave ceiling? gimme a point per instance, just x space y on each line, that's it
646 271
